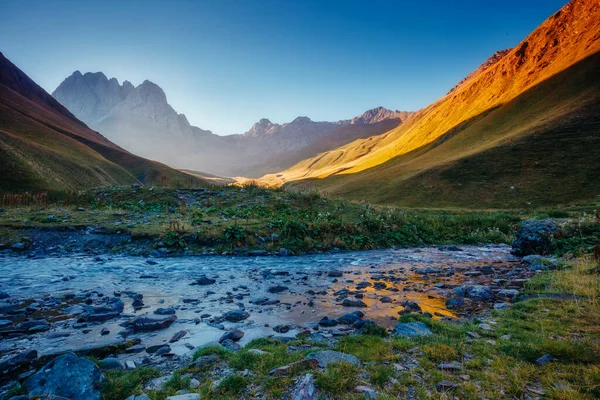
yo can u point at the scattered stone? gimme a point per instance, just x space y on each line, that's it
277 289
67 376
165 311
282 328
451 366
206 361
110 363
367 391
328 322
351 318
178 336
146 323
305 388
354 303
327 357
445 386
475 292
291 368
235 315
203 281
187 396
412 329
543 360
157 348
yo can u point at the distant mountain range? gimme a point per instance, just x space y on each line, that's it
45 147
140 119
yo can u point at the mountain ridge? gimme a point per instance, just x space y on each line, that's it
140 119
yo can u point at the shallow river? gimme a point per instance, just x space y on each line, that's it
56 289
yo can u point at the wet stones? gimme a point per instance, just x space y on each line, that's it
203 281
235 315
67 376
353 303
410 307
474 292
233 335
350 318
178 336
165 311
335 274
18 361
281 328
328 322
412 329
277 289
39 325
146 323
455 303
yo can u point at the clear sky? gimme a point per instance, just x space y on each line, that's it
228 63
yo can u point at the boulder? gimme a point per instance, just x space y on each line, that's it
533 237
68 377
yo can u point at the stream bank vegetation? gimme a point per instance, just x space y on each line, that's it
242 219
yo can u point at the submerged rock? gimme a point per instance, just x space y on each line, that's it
69 377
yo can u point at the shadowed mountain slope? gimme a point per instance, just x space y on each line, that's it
43 146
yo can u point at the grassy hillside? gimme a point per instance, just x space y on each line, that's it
546 85
44 147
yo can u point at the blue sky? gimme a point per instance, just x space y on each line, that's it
228 63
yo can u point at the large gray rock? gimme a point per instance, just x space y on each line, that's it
67 377
533 237
327 357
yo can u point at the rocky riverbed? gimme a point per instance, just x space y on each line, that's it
157 311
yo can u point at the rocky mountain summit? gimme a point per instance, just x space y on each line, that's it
140 119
